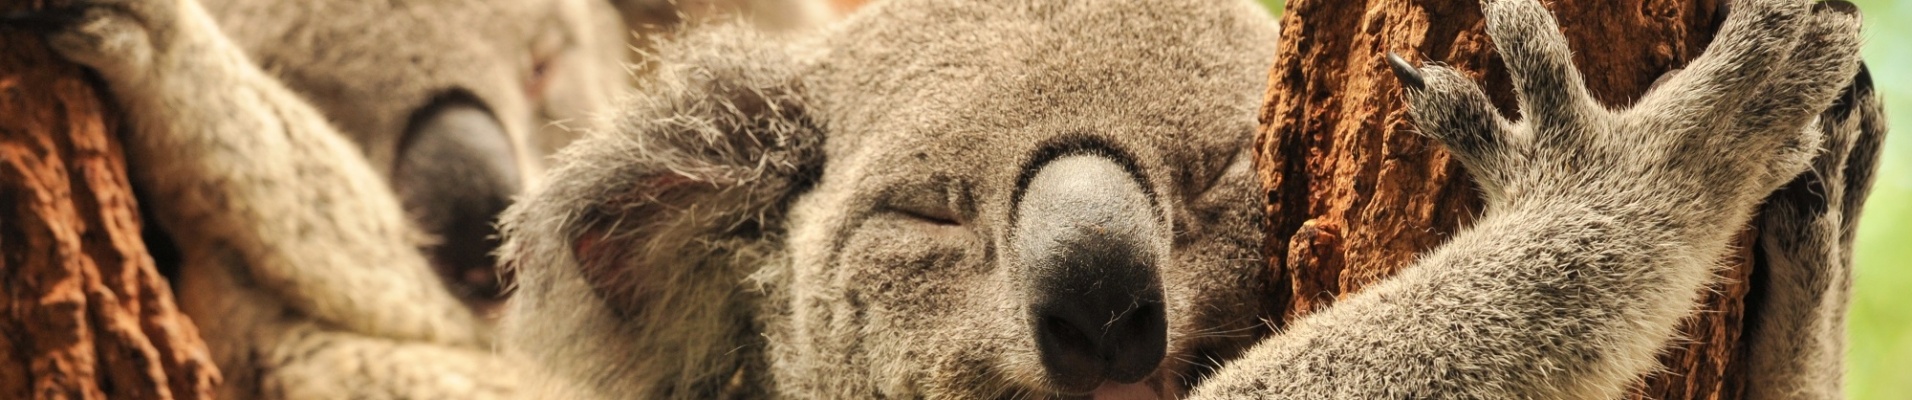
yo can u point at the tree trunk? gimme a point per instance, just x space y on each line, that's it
1354 194
83 313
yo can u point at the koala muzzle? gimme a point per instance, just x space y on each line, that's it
456 172
1089 242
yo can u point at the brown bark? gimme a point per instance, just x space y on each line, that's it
1354 194
83 313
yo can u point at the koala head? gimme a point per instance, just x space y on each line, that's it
930 199
456 101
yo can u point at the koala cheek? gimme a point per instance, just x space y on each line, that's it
909 262
904 279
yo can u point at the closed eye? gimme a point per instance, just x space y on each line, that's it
932 203
547 51
941 216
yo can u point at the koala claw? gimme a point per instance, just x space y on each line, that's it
1449 108
1410 77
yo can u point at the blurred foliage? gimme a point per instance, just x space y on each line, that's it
1879 358
1273 5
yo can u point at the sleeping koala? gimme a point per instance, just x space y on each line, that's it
301 158
457 119
1035 199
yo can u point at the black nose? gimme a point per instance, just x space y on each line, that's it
456 172
1089 243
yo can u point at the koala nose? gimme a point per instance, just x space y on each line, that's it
1089 243
455 173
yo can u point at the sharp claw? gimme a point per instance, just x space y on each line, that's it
1410 76
1662 79
1838 6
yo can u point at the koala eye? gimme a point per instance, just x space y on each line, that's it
932 204
546 52
934 215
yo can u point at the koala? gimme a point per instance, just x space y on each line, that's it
322 165
457 120
1031 199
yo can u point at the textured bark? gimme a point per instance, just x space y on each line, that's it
83 313
1354 194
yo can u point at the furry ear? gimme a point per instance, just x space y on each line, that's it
662 217
712 150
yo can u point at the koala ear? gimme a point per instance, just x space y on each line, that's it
695 173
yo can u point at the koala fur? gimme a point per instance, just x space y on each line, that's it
1806 244
384 72
653 16
716 177
839 216
290 178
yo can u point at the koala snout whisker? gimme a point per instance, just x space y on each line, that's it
1089 245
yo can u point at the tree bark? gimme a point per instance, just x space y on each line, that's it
83 313
1354 194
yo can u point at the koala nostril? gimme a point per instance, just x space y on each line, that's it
1136 343
1070 354
1065 333
1115 334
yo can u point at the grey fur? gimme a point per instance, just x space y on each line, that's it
542 69
1601 226
659 16
739 232
301 267
1806 250
743 231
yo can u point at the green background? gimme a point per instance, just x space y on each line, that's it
1881 317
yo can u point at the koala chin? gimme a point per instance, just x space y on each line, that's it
1043 199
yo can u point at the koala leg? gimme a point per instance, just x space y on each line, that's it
1601 226
267 352
279 216
1805 248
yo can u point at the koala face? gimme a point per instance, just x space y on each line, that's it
932 199
455 101
1022 212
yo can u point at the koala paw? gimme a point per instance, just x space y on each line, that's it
1729 128
1816 212
115 37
